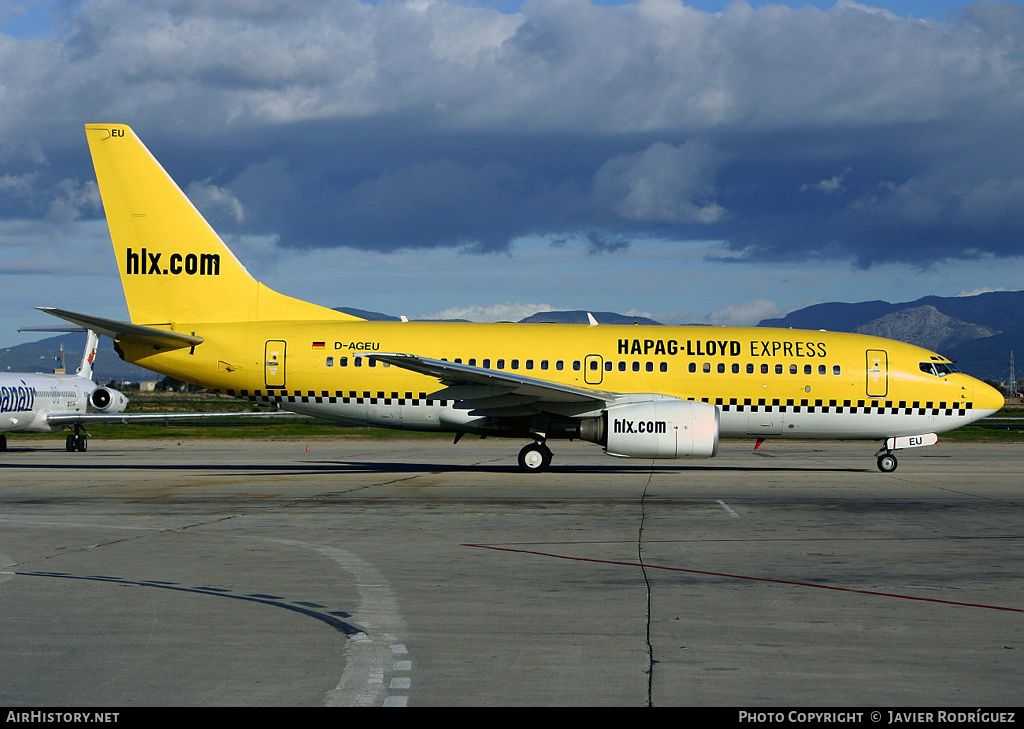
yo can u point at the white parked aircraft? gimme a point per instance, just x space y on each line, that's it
44 403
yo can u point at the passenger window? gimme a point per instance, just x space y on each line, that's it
636 366
764 369
735 368
501 364
622 366
330 361
750 369
559 365
721 367
543 364
837 370
663 367
529 364
692 367
822 369
575 365
514 364
808 369
343 362
486 364
707 366
778 369
608 366
793 369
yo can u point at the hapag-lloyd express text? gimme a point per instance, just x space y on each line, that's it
722 348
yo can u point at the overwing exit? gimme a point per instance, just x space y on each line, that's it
637 391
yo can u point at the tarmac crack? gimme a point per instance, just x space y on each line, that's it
647 583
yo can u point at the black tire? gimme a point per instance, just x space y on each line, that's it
534 458
887 463
69 444
81 443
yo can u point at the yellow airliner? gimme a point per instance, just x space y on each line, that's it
638 391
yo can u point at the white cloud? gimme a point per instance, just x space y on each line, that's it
745 313
663 183
506 311
215 201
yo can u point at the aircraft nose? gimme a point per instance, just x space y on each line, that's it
987 397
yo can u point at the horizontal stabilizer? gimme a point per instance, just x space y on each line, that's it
125 332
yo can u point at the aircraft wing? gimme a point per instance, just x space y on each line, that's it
129 418
496 393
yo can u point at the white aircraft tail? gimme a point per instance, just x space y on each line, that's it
92 343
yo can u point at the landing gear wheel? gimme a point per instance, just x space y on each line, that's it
69 444
535 458
887 463
81 443
3 442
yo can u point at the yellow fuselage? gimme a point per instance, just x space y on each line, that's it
764 381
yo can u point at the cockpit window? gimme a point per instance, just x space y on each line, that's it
939 369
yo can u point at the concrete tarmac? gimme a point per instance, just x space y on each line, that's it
421 573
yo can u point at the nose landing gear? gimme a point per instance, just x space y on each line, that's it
887 463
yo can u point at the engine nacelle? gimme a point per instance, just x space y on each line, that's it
659 428
107 400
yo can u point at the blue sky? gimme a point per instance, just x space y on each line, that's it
708 162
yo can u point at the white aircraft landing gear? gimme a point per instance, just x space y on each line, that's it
535 457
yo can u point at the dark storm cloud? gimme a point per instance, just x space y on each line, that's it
787 133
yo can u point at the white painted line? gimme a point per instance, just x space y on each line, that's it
725 506
401 683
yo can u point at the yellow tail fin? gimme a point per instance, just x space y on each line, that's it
174 267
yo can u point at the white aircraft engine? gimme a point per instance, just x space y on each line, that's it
657 428
108 400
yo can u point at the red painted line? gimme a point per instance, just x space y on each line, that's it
746 577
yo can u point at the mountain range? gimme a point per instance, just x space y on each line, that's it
977 332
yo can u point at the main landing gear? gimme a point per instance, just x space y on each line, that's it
535 457
79 441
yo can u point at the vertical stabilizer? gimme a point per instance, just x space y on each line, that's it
174 267
92 343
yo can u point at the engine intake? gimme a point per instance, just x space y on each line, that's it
659 428
108 400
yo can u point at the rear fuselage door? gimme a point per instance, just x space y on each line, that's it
274 356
